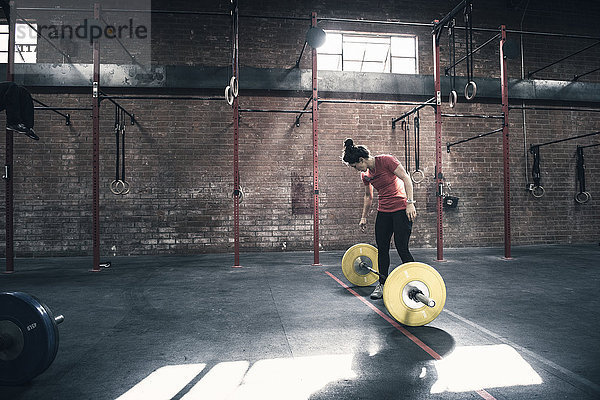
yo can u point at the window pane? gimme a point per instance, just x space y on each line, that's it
403 46
377 52
373 67
352 66
403 66
354 51
333 44
330 62
3 42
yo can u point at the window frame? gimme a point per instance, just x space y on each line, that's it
388 63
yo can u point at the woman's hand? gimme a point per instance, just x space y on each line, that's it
363 224
411 212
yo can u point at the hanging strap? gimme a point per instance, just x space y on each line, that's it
583 196
406 129
452 57
119 185
417 175
537 190
471 87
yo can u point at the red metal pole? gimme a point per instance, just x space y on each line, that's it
96 149
236 125
505 143
8 166
315 121
439 177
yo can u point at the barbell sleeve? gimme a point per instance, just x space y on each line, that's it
59 319
416 295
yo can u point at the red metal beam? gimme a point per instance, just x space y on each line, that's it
236 125
439 177
8 164
96 149
315 128
505 143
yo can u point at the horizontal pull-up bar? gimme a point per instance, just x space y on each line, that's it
390 102
585 73
448 145
589 145
530 74
56 110
430 102
275 111
473 116
471 53
563 140
304 109
536 108
133 97
131 116
437 27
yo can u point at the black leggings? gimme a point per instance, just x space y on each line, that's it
386 224
18 104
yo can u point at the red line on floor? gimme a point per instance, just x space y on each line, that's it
406 333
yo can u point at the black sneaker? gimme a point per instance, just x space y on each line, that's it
20 128
31 133
17 128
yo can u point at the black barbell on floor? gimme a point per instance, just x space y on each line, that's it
414 293
28 337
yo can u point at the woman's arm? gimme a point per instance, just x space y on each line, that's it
411 211
367 201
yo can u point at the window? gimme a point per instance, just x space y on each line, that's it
25 43
369 52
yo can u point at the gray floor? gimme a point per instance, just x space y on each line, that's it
281 328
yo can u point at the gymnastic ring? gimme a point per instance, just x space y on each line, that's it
233 83
229 95
126 187
452 98
239 193
420 174
470 84
114 186
537 191
583 197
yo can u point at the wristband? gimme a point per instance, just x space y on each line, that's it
410 201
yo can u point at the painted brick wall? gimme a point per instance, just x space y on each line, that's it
179 155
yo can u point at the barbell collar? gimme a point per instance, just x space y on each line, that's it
366 266
416 295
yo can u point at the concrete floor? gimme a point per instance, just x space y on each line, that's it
281 328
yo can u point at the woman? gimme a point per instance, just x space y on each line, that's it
396 206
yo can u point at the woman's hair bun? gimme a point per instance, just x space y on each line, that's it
348 142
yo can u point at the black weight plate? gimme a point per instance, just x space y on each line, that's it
39 337
50 321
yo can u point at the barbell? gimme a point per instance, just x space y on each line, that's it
28 337
414 293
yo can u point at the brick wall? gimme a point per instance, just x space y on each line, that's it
179 155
